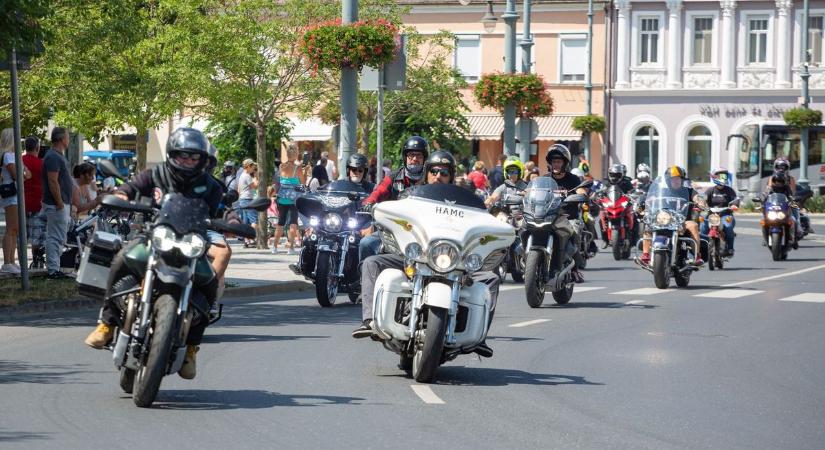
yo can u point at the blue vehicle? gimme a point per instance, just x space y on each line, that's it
122 159
778 226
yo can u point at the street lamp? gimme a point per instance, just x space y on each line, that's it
805 75
489 20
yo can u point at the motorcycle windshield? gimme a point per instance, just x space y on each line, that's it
449 193
614 194
339 194
776 201
182 214
662 195
542 197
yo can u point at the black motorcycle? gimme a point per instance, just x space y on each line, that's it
329 256
162 289
510 210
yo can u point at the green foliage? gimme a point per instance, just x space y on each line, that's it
800 118
20 25
589 124
526 90
236 140
333 45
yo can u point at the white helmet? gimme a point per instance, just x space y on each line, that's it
577 172
642 167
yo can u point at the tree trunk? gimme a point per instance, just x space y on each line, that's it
140 142
263 181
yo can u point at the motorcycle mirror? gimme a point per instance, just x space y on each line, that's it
575 198
238 229
259 204
109 169
115 202
584 185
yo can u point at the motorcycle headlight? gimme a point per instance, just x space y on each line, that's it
714 220
313 221
413 251
624 204
352 223
332 222
444 256
663 218
776 215
472 262
163 238
192 245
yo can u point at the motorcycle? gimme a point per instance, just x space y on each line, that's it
618 221
550 241
510 212
803 194
329 256
777 224
161 289
716 235
666 212
431 311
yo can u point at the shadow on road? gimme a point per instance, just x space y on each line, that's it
19 436
477 376
256 314
23 372
217 338
243 399
609 268
78 318
512 338
597 305
737 269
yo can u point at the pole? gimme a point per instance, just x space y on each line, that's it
525 131
379 146
349 96
510 16
803 147
588 81
22 251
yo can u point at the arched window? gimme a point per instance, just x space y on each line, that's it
646 148
699 153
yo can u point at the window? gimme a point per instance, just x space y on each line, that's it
815 24
646 148
649 41
757 41
573 60
468 57
702 40
698 157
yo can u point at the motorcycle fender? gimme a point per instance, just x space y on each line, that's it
391 287
661 242
136 258
172 275
437 295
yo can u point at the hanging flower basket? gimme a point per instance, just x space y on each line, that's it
526 90
800 118
332 45
589 124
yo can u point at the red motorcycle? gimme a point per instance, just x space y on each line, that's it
618 221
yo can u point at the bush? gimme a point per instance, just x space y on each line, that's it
800 118
589 124
526 90
332 45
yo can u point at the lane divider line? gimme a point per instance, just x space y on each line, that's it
528 323
774 277
634 302
426 394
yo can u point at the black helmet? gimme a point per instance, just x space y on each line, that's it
616 173
414 144
558 151
357 161
441 158
779 178
188 140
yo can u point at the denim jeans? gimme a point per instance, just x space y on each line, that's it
57 225
369 246
727 228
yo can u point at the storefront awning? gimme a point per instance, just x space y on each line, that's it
310 129
557 127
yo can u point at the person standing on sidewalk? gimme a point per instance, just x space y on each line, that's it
247 185
57 199
8 192
33 190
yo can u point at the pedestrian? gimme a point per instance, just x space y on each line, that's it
528 169
496 176
33 192
318 179
228 174
247 185
477 176
57 199
332 171
535 173
84 196
287 191
8 192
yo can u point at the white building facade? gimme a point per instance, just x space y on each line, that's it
687 74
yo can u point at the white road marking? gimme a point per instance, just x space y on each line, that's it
729 293
773 277
426 394
528 323
644 291
580 289
634 302
811 297
511 287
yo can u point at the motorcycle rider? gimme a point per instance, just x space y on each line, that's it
594 212
643 180
413 154
616 176
676 180
357 166
720 195
439 168
514 185
558 162
782 183
184 171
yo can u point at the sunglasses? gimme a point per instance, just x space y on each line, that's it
358 169
187 155
513 172
442 172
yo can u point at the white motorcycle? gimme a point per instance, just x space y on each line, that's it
431 311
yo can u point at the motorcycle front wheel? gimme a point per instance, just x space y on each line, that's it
776 246
617 245
428 350
326 283
534 274
161 335
661 277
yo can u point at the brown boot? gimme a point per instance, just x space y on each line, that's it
188 369
101 336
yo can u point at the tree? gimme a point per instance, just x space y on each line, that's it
236 139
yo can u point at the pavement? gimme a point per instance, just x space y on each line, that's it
734 361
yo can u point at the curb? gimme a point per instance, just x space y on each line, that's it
266 289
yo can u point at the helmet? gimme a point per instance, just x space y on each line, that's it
616 172
675 172
642 167
357 161
643 177
779 178
720 176
513 163
415 144
781 164
188 140
441 158
577 172
558 151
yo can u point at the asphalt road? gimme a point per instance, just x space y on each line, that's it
624 365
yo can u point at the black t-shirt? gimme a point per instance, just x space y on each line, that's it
204 187
625 184
568 182
720 197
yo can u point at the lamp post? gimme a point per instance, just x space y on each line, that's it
805 75
349 96
588 81
510 16
524 132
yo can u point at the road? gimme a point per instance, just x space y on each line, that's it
624 365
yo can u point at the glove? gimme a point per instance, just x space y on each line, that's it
367 208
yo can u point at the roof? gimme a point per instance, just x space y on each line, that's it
558 127
310 129
108 152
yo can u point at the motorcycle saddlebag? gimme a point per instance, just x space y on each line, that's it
96 263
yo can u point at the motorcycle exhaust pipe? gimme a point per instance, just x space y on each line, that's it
558 282
119 352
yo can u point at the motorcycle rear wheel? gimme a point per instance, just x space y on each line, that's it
776 246
326 284
534 284
661 275
149 376
427 356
